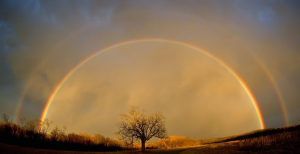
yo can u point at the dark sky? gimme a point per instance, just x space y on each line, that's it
41 41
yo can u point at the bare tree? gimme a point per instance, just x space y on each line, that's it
22 122
5 118
58 134
44 125
55 133
138 126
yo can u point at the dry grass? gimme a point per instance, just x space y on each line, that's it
173 142
285 140
252 134
281 143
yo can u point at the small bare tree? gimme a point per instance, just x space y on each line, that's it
58 134
5 118
22 122
138 126
55 133
44 126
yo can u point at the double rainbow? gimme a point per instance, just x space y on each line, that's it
243 84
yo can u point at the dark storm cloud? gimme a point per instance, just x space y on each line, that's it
42 40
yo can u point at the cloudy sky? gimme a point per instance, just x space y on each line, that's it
41 41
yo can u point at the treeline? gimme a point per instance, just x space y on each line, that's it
253 134
37 134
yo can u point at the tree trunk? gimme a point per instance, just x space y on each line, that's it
143 144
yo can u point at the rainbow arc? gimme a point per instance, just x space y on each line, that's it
66 77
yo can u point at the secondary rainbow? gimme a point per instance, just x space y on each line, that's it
34 75
272 81
278 94
246 88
